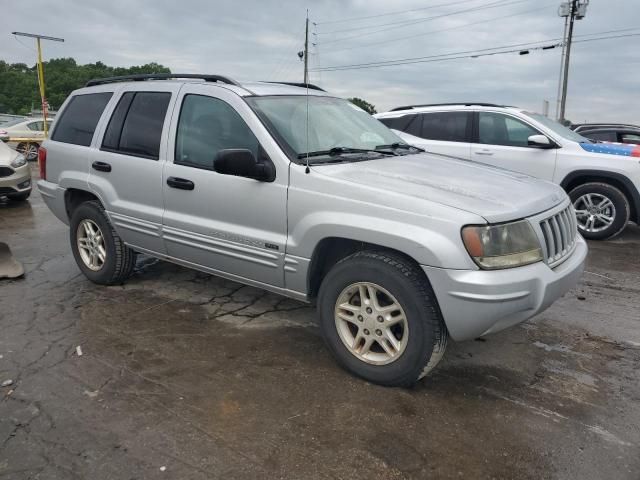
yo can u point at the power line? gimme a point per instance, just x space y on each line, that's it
524 49
475 55
411 59
397 39
425 19
355 19
410 21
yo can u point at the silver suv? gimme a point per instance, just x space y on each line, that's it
290 189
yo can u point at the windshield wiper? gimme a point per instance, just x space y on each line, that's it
398 146
335 151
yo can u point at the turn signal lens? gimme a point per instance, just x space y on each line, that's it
502 246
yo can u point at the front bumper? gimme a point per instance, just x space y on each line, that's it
18 182
480 302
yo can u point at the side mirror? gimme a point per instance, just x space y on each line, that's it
540 141
242 163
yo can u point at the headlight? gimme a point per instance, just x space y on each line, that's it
19 161
502 246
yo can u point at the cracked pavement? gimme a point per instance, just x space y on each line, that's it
212 379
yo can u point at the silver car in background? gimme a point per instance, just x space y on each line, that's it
15 175
290 189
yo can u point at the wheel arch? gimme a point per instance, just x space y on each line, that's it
617 180
74 197
331 250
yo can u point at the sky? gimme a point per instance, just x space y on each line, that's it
259 40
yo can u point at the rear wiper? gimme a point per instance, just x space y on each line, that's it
397 146
332 152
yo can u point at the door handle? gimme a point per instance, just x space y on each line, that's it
484 152
101 166
180 183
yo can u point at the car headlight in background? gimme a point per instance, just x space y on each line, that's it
19 161
502 246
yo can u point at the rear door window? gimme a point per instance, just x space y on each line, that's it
604 136
136 124
446 126
80 117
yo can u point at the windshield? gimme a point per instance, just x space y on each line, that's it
336 126
558 128
13 122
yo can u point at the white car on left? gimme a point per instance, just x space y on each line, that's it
26 134
15 174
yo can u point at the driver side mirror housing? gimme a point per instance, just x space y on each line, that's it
540 141
241 162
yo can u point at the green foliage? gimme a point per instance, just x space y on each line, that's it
19 82
363 104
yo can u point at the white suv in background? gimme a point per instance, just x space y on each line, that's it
602 179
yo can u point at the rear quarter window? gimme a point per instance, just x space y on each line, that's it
79 119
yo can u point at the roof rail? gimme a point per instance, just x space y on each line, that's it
160 76
466 104
310 86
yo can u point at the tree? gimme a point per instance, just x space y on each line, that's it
363 104
19 91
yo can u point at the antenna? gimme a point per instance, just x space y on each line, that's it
306 82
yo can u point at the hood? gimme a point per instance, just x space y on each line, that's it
7 155
495 194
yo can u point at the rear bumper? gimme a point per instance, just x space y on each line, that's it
19 182
480 302
53 196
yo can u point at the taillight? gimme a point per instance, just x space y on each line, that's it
42 162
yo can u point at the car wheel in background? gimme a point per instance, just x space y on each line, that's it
29 150
98 250
380 319
602 210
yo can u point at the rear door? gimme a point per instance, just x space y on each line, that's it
126 169
227 224
502 140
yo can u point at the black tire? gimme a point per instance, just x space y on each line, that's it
619 200
19 197
27 149
402 278
120 260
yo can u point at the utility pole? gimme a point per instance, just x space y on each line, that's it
561 76
577 11
306 50
43 97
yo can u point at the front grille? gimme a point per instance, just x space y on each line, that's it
6 171
6 190
560 232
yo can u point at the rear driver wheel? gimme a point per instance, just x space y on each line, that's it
98 250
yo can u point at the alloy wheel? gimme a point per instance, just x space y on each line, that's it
371 323
91 245
595 212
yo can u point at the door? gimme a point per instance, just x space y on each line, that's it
502 141
126 169
227 224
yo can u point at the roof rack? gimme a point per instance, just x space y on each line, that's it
466 104
160 76
310 86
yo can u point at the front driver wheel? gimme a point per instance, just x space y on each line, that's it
380 319
602 211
